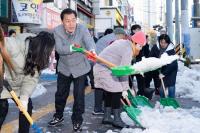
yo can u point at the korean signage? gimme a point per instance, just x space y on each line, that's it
27 11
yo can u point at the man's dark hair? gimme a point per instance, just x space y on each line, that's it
11 32
108 31
164 37
67 11
135 26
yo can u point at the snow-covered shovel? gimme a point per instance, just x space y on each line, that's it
21 108
132 112
145 65
122 71
167 101
139 100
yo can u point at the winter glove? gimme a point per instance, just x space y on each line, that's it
124 94
24 101
92 55
161 76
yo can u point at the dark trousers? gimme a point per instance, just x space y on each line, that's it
98 99
23 122
62 93
112 99
98 93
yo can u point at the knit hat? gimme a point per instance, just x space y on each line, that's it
139 38
119 31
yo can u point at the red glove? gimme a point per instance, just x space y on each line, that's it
91 56
77 45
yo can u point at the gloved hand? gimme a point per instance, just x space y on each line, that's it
24 101
124 94
161 76
92 55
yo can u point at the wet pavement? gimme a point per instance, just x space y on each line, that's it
44 109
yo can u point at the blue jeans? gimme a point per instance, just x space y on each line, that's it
171 91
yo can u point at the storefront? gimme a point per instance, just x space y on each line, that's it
52 18
15 14
85 16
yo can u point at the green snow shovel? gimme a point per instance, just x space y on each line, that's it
167 101
121 71
139 100
132 112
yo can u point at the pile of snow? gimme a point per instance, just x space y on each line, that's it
188 82
164 120
40 89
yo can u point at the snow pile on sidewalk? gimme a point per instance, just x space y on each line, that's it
188 82
167 120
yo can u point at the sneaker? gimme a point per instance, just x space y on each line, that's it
101 112
77 127
56 121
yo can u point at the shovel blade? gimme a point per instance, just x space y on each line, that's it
169 102
139 100
133 113
122 70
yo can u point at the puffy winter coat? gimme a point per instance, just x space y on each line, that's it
119 53
21 84
170 70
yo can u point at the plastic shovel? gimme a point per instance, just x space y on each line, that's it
132 112
121 71
167 101
139 100
21 108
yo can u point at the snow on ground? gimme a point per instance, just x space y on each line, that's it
188 82
40 89
169 120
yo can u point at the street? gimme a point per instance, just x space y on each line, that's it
44 109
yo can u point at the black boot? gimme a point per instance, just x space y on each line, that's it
107 119
117 119
148 92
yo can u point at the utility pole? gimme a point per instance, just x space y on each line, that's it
185 26
177 25
169 18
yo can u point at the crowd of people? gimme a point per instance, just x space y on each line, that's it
21 63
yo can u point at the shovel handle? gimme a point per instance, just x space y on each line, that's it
163 86
122 102
19 104
99 59
127 100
